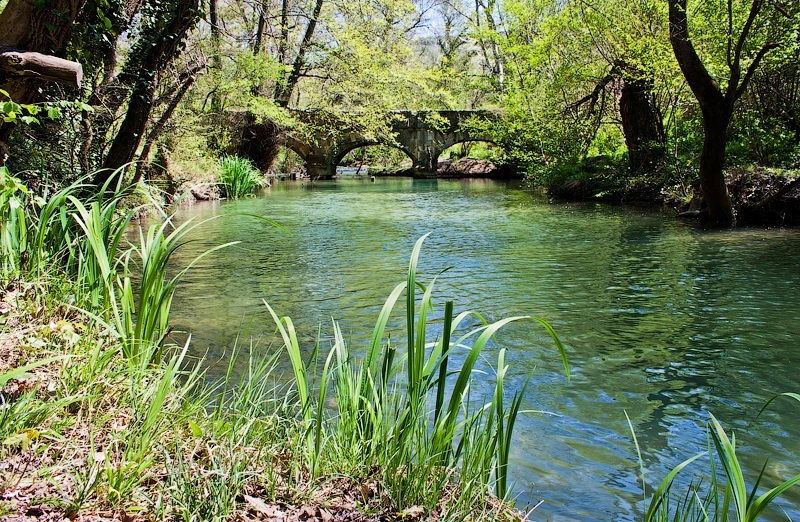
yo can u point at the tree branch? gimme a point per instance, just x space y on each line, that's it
735 65
700 82
41 67
752 69
187 78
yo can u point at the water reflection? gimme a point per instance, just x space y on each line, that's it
663 320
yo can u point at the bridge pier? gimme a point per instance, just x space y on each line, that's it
320 167
426 161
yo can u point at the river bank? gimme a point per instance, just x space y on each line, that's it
760 197
88 436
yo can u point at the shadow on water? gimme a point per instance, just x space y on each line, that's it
663 320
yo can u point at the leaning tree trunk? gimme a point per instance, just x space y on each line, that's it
285 86
186 80
159 49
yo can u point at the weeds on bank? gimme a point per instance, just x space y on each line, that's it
110 421
123 284
411 415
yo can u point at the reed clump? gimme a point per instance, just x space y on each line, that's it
721 494
238 177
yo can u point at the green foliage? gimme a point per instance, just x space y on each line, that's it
238 177
383 418
13 112
762 140
540 145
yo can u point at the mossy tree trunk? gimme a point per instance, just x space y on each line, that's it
154 51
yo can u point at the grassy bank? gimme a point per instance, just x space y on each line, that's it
89 433
102 417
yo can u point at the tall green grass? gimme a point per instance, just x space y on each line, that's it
13 223
141 314
85 237
721 496
62 231
413 415
238 177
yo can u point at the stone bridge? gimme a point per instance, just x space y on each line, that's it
422 135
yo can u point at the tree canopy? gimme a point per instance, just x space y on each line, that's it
659 89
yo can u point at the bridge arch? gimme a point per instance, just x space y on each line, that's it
481 139
302 149
344 151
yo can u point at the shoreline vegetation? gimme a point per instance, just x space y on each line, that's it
761 197
101 418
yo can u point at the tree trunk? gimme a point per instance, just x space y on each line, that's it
641 124
285 87
41 67
641 118
260 28
216 54
716 105
716 112
159 49
712 164
127 140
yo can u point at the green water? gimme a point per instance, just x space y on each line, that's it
662 320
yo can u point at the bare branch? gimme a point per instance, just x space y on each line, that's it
752 69
737 55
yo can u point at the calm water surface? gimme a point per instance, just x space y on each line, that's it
662 320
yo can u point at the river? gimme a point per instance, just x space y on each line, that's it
662 319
